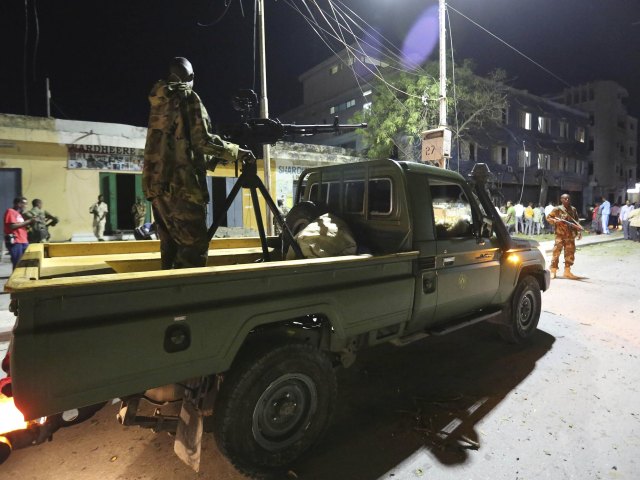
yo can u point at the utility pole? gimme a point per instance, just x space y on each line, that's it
264 105
436 143
443 63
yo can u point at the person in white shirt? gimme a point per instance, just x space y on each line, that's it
519 217
605 211
547 210
626 209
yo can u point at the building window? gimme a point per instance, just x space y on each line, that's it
592 144
564 129
501 155
524 158
505 116
592 94
631 151
544 161
563 163
544 125
580 133
580 167
469 151
334 69
592 119
525 120
342 107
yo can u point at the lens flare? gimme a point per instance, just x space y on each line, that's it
421 39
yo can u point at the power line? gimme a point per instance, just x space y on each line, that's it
510 46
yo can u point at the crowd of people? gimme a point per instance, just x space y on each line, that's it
529 220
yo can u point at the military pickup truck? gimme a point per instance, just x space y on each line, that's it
253 343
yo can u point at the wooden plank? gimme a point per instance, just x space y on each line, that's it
193 272
73 249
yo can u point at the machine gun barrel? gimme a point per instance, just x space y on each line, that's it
255 132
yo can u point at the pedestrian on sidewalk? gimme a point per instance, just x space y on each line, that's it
567 226
519 217
528 219
99 210
605 211
510 219
615 215
626 209
634 223
15 230
538 215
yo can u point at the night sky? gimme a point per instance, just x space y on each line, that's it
103 57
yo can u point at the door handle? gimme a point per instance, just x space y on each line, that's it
448 261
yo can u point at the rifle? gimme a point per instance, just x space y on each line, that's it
252 133
573 224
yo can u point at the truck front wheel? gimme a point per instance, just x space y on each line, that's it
274 406
523 311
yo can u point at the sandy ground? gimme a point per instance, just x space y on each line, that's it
463 406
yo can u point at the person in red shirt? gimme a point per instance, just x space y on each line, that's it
15 230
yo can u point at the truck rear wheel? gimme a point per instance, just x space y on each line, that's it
523 311
274 406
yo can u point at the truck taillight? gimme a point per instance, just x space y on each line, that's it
10 417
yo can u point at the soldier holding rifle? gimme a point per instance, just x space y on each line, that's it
567 227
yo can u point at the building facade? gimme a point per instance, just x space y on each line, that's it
536 153
67 164
612 138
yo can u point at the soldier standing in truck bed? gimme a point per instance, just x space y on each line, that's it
177 155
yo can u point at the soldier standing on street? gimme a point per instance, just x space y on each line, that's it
39 230
566 221
139 212
177 155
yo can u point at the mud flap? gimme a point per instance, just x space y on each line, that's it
188 443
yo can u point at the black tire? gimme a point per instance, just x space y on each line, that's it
301 215
522 312
272 407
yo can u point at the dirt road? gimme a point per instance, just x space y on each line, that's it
464 406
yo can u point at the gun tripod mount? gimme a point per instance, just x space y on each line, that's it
249 179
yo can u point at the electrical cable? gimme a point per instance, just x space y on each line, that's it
219 19
511 47
24 57
37 39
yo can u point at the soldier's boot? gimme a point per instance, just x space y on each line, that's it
553 272
569 275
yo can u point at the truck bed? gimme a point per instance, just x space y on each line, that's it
99 315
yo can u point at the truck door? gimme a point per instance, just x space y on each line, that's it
467 267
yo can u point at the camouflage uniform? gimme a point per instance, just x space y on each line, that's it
177 155
565 235
39 230
139 211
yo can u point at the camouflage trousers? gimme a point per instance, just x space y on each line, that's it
182 230
569 245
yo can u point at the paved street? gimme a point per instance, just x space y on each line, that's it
463 406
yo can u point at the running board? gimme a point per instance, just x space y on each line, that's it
465 323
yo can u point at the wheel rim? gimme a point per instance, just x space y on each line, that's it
526 308
284 411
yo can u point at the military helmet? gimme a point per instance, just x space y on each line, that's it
180 70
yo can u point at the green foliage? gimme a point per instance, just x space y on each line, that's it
407 104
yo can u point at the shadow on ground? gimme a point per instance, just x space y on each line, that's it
432 393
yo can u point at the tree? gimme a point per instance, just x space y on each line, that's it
407 104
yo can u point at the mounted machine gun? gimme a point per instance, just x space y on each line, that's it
252 133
